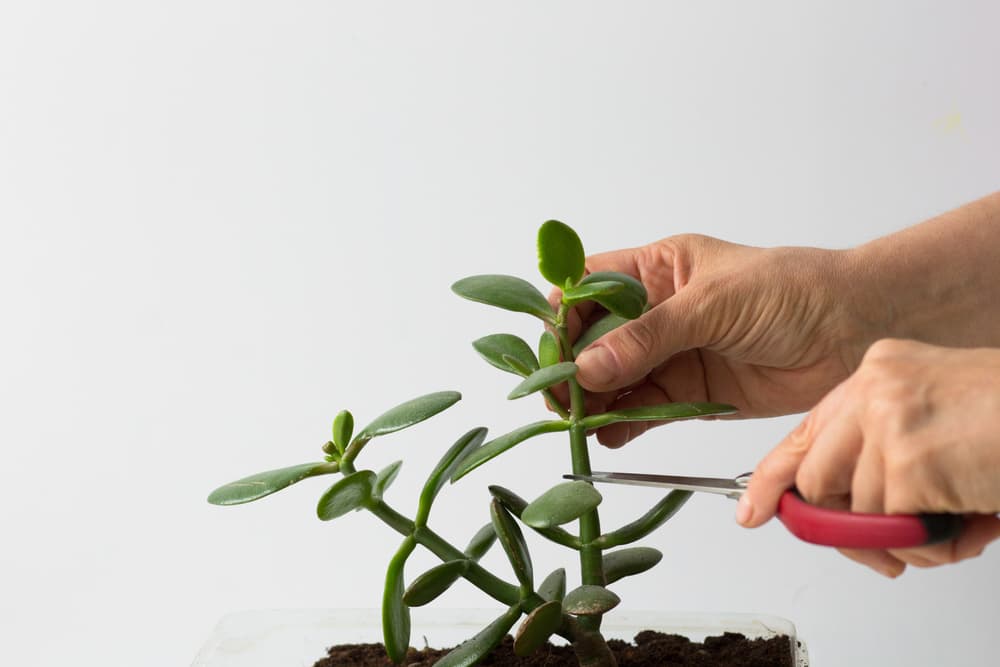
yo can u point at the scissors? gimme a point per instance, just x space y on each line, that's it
808 522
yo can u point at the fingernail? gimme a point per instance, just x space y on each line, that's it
744 510
598 366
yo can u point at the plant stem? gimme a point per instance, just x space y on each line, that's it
591 559
592 650
478 576
493 586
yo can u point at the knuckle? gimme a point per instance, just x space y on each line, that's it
889 357
885 348
916 479
680 252
811 483
895 409
683 242
886 403
791 450
767 469
801 438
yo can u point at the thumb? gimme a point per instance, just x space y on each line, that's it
622 356
777 472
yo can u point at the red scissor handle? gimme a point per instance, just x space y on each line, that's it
856 530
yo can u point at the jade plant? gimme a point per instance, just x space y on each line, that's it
547 606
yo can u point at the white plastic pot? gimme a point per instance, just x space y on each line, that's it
266 638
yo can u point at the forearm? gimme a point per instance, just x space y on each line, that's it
938 281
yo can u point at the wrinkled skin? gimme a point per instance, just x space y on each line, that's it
897 437
766 330
894 425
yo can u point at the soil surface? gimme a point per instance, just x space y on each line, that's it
649 649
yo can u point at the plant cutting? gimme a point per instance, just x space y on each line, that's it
567 514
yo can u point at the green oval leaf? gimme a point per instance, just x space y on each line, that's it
501 444
544 378
537 628
434 582
627 562
385 478
588 600
647 523
496 347
561 504
265 483
561 259
553 587
510 500
410 413
512 540
548 349
606 324
343 429
481 542
590 291
628 302
470 652
349 493
395 614
507 292
516 504
518 367
442 471
665 412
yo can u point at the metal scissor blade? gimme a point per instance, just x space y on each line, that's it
731 488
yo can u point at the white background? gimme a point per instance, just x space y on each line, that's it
222 222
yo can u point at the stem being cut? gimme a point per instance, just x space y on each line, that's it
591 648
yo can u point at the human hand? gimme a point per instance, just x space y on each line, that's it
913 430
770 331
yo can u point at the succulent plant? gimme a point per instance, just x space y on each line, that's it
547 607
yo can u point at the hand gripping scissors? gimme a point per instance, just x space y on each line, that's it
812 523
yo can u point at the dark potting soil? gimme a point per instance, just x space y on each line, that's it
649 649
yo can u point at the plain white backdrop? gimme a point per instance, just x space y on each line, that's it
222 222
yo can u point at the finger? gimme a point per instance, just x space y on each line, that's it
622 261
868 485
776 473
561 393
662 267
623 432
628 353
826 473
555 404
915 557
682 377
593 403
616 435
879 560
979 530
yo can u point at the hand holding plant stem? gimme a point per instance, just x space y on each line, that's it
549 608
769 330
